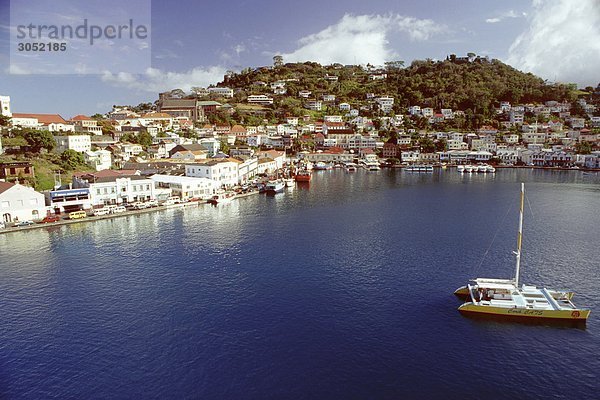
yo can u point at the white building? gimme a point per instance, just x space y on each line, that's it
223 172
79 143
221 91
20 203
99 159
386 103
260 99
314 105
186 187
116 189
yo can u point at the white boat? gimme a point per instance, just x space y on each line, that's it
350 167
504 298
222 198
275 186
289 182
460 168
490 169
482 168
321 166
419 168
468 168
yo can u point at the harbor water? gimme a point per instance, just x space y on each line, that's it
337 289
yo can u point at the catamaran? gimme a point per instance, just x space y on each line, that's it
505 298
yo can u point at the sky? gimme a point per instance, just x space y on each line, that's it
193 43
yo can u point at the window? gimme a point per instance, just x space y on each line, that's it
98 191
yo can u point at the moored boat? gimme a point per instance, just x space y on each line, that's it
504 298
222 198
302 175
275 186
350 167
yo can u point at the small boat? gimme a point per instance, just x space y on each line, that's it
302 175
289 182
504 298
468 168
460 168
321 166
350 167
490 169
275 186
222 198
419 168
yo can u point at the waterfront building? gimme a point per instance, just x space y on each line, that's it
277 156
115 187
68 200
186 187
20 203
224 172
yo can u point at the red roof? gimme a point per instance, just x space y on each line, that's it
42 118
81 117
4 186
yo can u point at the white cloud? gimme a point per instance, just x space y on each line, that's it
361 39
155 80
562 42
503 16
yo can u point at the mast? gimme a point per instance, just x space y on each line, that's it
520 235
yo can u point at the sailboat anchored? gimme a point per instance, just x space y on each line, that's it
505 298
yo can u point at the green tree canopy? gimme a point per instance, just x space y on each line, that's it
71 159
38 140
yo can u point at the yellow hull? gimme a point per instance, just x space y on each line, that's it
524 313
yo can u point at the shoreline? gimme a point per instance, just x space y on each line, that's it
92 218
198 203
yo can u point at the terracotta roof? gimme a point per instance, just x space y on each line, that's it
42 118
4 186
238 128
81 117
156 115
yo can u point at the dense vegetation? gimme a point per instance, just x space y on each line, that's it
475 87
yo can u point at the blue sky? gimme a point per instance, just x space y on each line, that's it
193 43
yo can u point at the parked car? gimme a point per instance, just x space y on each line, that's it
77 215
138 205
118 209
151 203
24 223
49 219
101 211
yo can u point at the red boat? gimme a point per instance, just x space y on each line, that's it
303 176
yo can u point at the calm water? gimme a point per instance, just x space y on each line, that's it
342 290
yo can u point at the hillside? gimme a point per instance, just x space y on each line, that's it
475 86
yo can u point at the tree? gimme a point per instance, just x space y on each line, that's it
71 159
4 120
38 140
144 138
583 148
427 145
